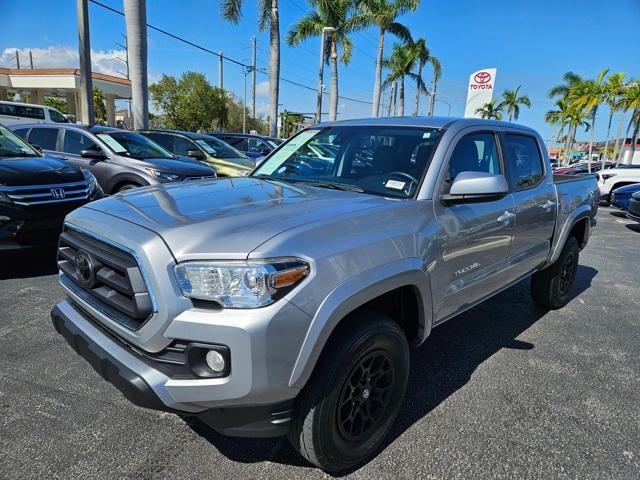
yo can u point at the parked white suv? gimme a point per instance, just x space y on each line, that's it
12 113
609 180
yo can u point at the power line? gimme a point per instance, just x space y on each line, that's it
223 57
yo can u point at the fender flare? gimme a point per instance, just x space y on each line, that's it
353 293
581 213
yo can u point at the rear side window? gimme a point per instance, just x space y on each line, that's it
476 152
75 142
525 161
44 138
22 132
161 139
237 142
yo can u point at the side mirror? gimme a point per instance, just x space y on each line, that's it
476 187
197 154
38 148
93 153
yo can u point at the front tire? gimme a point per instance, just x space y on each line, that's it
127 186
354 395
551 287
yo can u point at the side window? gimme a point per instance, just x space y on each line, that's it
44 138
75 142
30 112
476 152
181 146
57 117
7 109
237 142
256 145
22 132
525 161
162 139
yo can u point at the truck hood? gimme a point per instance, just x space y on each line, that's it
227 218
18 171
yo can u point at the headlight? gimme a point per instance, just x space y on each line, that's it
164 176
92 184
606 176
249 284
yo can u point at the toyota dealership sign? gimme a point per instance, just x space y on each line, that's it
480 90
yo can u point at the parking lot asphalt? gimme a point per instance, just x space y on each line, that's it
506 390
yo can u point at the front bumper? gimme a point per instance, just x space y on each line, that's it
147 386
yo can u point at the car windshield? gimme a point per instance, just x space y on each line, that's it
134 145
380 160
218 148
12 145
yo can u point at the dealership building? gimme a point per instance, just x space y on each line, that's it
64 83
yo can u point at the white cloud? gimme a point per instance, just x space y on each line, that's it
262 88
66 57
262 108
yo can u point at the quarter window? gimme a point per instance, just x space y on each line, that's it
525 161
44 137
476 152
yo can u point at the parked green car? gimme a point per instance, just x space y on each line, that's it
226 160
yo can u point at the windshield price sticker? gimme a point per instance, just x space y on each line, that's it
112 143
208 148
395 184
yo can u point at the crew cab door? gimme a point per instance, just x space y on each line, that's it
535 201
474 237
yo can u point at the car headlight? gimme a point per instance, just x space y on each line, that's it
606 176
240 284
92 183
164 176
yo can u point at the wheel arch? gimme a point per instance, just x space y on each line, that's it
123 178
355 294
578 225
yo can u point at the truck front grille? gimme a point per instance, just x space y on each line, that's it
44 194
106 277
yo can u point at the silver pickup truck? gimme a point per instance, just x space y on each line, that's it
286 302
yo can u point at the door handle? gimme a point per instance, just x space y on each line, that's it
547 205
505 217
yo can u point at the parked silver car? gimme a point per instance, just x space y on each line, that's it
119 159
286 302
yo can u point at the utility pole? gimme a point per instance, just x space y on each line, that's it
126 62
220 72
31 59
18 59
253 82
244 102
325 30
86 82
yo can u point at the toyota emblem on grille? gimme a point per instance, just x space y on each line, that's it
58 193
84 269
482 77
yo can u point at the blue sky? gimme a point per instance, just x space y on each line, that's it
531 43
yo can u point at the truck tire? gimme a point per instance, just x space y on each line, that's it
353 397
551 287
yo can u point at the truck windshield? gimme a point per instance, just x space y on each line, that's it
134 145
379 160
12 145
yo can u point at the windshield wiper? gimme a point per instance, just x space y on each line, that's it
15 154
333 185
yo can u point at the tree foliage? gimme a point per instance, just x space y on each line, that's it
99 107
58 103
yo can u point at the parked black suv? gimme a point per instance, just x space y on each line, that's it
120 159
36 193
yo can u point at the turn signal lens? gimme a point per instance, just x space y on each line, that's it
289 277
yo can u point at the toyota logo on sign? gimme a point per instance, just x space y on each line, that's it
482 77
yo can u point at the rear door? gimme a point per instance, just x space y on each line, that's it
475 237
535 201
45 138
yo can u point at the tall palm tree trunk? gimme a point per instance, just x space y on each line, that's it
432 102
401 97
392 94
333 94
274 68
606 143
634 137
591 137
614 157
624 140
378 79
567 145
415 111
135 14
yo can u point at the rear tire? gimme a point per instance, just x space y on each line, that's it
355 393
551 287
127 186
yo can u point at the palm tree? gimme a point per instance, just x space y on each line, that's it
400 64
345 17
588 95
612 91
570 80
423 56
630 100
135 14
558 117
268 16
383 14
435 76
491 109
576 118
512 102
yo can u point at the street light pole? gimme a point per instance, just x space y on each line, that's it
320 74
444 101
86 81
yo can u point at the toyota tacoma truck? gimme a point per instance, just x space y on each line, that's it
286 302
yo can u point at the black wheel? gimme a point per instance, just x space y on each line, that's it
354 395
551 287
127 186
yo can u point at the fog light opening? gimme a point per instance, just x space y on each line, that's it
215 361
